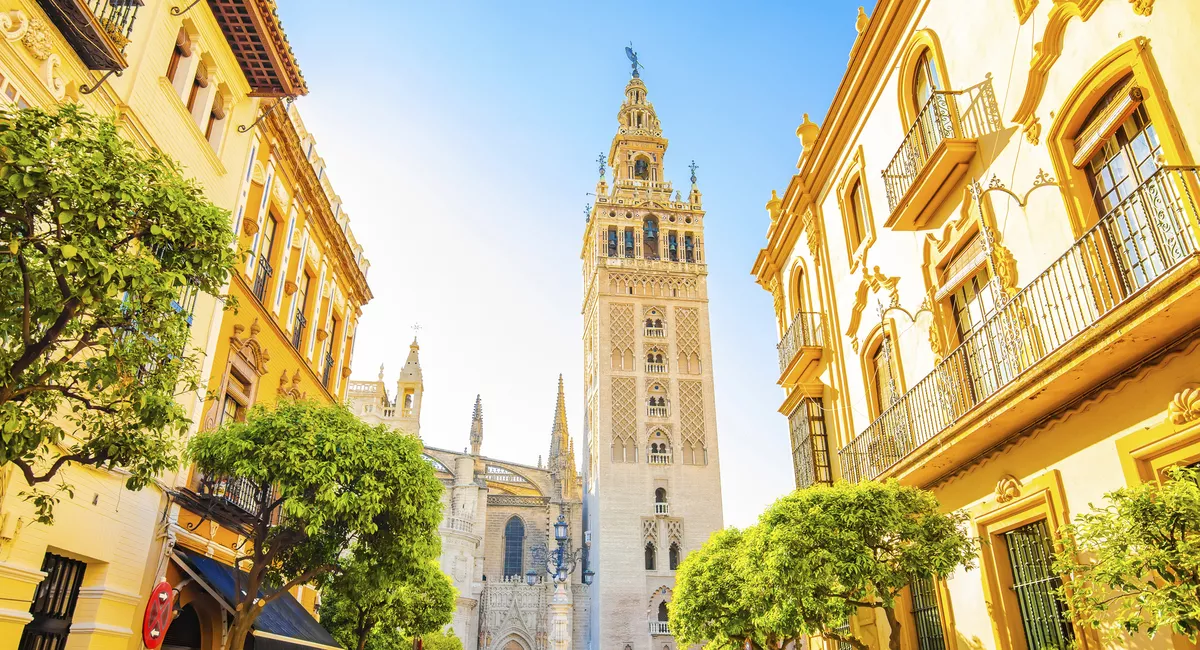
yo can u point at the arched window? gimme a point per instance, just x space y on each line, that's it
651 556
926 78
662 612
650 238
514 547
660 495
882 376
641 167
673 556
857 221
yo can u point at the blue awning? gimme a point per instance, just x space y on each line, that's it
284 624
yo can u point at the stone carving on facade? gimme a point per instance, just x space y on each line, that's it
873 281
675 530
621 319
249 348
1142 7
649 530
49 74
290 389
1007 488
1045 55
13 25
37 39
1185 406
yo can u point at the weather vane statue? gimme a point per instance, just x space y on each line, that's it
633 59
601 160
693 167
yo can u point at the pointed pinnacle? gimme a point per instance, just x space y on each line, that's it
478 415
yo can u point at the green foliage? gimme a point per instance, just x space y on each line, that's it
1135 562
342 491
815 557
441 640
98 240
710 602
369 607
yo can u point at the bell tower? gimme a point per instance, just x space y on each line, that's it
652 487
409 389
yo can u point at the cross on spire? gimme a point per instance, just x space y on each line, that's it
693 167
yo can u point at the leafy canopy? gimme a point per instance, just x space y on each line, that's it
1135 561
99 242
710 604
339 489
831 550
369 607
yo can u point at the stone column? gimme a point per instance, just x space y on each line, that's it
560 618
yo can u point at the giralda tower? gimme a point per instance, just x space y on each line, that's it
651 467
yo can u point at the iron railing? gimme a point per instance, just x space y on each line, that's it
1130 247
328 372
243 494
261 276
810 444
807 330
117 18
298 331
1043 612
936 121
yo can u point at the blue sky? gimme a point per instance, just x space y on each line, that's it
463 137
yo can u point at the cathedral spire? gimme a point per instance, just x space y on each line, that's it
561 461
477 427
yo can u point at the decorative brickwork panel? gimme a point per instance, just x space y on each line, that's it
687 339
649 530
675 531
622 327
691 421
624 419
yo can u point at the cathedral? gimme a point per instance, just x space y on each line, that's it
497 525
650 491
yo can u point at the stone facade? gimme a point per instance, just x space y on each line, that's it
497 525
651 466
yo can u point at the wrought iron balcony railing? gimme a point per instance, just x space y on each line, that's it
936 121
298 331
237 503
98 30
806 331
261 275
327 373
1129 248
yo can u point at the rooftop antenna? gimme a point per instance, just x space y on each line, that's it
633 59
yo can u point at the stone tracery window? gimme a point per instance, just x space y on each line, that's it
514 547
651 556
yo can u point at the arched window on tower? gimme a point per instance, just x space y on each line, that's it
629 242
673 556
662 612
641 166
660 495
650 238
514 547
689 249
612 242
651 556
673 246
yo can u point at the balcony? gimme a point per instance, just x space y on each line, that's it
98 30
662 509
660 459
406 412
459 524
800 348
656 332
327 373
234 502
261 275
656 368
660 628
935 153
298 331
656 411
1121 293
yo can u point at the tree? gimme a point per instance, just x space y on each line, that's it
1135 561
369 607
440 640
832 550
326 484
710 604
101 241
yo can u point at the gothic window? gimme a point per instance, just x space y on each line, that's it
660 449
673 556
662 612
650 238
514 547
655 363
651 556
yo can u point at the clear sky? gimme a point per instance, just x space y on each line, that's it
462 138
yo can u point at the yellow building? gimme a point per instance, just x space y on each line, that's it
192 80
985 275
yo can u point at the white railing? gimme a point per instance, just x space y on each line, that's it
659 368
656 332
659 628
389 411
406 412
660 459
661 508
458 524
657 411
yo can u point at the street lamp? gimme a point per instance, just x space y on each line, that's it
562 562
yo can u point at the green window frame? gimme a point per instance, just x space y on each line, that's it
1043 612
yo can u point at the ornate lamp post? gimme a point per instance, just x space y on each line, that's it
560 564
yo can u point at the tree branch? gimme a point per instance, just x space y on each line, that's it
26 336
298 580
33 479
36 350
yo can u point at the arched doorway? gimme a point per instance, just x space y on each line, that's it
184 631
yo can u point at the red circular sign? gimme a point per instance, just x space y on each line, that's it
158 615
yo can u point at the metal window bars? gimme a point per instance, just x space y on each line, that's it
53 604
298 330
926 615
1137 242
261 276
327 374
117 18
1043 612
810 444
807 330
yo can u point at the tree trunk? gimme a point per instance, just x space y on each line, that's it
894 631
239 631
362 639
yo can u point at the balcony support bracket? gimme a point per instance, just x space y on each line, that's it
87 90
176 11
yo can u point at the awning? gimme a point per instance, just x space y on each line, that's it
284 624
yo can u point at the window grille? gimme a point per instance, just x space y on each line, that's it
53 604
514 548
810 444
926 615
1043 613
843 630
